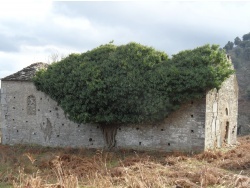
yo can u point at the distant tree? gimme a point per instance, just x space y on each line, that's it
55 57
236 62
240 58
246 37
247 44
238 51
229 46
237 41
244 44
247 53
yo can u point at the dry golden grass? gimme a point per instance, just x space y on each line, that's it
37 167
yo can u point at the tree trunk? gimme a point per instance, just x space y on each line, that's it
109 133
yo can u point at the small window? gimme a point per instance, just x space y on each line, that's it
31 105
226 111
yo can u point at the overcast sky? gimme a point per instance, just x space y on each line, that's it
31 31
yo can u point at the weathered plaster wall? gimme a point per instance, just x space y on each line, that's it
29 116
221 114
41 121
183 130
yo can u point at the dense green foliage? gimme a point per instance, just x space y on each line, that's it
239 50
196 71
131 83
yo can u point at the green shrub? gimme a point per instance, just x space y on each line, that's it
131 83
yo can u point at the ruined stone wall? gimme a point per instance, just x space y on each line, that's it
30 116
221 114
183 130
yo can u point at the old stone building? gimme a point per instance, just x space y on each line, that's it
29 116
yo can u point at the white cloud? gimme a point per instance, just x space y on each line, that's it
24 10
30 31
74 24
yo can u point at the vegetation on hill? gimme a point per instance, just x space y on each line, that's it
131 83
239 50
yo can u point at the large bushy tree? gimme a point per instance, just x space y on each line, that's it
193 72
113 85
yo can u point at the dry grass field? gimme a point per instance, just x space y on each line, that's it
42 167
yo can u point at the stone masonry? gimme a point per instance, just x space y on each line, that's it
29 116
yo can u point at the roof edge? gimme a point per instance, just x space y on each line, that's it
27 73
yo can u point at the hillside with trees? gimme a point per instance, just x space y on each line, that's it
239 50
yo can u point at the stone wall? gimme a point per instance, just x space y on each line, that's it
30 116
183 130
221 114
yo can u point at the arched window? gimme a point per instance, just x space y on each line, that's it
31 105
